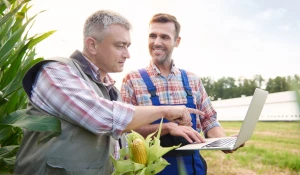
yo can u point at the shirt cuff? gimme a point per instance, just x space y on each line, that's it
211 125
122 116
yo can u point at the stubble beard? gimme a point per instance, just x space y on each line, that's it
165 59
162 59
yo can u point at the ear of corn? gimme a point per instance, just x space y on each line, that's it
139 151
143 156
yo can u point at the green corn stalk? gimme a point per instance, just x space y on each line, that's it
17 55
155 162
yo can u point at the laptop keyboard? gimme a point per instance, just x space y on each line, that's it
226 142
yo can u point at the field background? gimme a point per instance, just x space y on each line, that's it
274 149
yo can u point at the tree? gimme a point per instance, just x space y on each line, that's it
225 88
228 87
278 84
208 83
259 80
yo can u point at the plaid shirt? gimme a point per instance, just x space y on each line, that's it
60 91
170 91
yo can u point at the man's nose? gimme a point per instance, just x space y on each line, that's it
126 53
157 41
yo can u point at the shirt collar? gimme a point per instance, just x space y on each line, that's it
91 69
153 68
108 81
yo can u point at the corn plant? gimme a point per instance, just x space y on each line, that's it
17 55
143 156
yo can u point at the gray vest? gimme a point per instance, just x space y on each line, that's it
75 150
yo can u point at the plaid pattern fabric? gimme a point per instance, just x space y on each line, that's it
170 91
60 91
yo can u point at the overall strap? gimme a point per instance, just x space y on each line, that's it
151 88
187 88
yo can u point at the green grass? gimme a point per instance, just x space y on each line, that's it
273 149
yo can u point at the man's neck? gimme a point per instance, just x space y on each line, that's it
165 68
102 77
90 60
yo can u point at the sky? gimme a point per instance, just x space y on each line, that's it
220 38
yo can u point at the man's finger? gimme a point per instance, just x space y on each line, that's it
187 124
198 138
180 121
192 134
187 138
195 111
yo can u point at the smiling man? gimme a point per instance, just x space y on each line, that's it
163 84
81 94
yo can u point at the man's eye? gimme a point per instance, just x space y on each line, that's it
164 37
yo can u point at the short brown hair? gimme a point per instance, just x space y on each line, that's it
164 18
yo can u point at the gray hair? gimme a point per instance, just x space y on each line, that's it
95 25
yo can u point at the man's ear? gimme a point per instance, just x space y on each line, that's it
177 42
91 45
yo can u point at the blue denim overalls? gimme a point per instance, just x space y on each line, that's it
193 161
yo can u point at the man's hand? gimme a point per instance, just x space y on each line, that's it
231 151
187 132
144 115
181 114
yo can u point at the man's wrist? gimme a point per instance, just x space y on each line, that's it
163 111
169 126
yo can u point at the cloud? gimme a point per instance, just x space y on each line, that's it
271 14
298 25
284 28
236 23
232 38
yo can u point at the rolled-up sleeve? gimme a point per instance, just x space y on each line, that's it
60 91
122 117
209 120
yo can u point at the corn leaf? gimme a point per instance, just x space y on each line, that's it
17 52
5 28
10 43
16 83
124 166
4 4
157 166
8 151
31 122
5 132
10 14
40 38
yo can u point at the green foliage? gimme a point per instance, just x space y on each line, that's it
154 152
228 87
17 50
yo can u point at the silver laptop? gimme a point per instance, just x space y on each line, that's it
246 131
